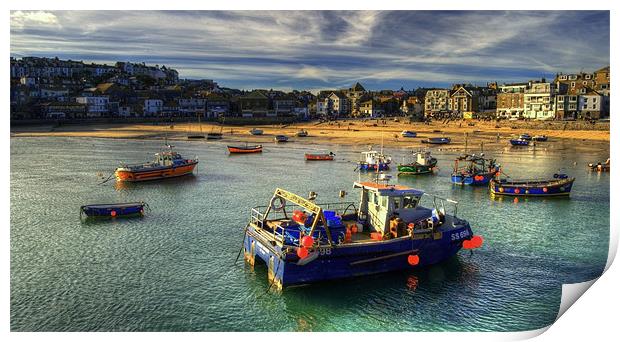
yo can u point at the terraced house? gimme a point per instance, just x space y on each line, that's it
436 102
539 100
510 101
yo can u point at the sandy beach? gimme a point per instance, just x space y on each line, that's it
345 132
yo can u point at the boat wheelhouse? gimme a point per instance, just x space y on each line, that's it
302 242
423 163
166 164
280 138
559 185
374 161
472 169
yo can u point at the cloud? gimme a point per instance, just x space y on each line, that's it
316 49
20 19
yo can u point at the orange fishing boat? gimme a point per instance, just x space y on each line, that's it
245 149
167 164
320 156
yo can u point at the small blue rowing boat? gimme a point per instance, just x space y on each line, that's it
113 210
540 138
519 142
560 185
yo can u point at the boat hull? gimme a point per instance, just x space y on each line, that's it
416 169
352 260
470 179
515 142
373 167
437 141
113 210
561 187
241 149
124 175
309 156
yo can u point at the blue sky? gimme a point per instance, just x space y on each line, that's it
326 49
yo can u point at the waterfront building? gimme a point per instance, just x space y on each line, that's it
370 108
436 102
254 104
539 100
354 95
510 101
336 104
192 106
96 106
153 107
464 100
590 105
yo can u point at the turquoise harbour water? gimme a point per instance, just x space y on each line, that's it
173 269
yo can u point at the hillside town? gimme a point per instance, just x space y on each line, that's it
53 89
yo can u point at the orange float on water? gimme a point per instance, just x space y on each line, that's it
467 244
413 260
477 241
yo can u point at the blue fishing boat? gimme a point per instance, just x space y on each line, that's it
560 185
302 242
472 169
113 210
374 161
525 136
519 142
437 141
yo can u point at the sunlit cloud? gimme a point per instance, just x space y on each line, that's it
326 49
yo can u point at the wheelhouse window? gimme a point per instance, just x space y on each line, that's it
410 201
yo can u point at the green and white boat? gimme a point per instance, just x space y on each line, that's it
423 163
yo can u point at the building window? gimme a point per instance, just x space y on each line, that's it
585 82
560 98
594 106
582 90
588 77
572 84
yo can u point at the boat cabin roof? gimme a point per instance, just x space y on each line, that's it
387 189
370 152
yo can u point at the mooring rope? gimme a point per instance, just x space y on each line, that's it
107 179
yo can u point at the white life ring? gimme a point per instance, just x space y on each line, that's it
278 207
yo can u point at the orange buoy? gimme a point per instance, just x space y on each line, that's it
302 252
517 191
411 225
413 259
516 200
113 213
477 241
307 241
501 189
467 244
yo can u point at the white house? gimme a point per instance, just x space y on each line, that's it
539 101
153 106
590 105
95 105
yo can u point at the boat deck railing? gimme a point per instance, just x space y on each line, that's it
439 204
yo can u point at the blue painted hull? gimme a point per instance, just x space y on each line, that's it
355 259
542 189
478 179
373 167
99 210
519 142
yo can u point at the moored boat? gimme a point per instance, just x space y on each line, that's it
423 163
256 131
437 141
214 135
600 166
302 133
374 161
113 210
408 134
540 138
281 138
472 169
167 164
519 142
525 136
320 156
389 231
245 149
559 185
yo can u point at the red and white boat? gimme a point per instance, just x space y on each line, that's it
320 156
167 164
